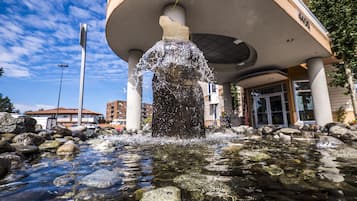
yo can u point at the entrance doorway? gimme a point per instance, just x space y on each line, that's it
270 109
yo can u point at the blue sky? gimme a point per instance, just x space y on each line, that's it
37 35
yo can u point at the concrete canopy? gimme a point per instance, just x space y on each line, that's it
283 33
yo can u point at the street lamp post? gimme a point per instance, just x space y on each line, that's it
62 66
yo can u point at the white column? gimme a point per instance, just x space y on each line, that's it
319 90
227 99
134 92
175 13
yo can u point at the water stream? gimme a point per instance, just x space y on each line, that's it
243 168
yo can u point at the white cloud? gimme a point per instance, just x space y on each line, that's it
25 107
12 70
79 12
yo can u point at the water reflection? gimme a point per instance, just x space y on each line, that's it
237 168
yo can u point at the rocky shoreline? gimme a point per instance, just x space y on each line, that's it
23 140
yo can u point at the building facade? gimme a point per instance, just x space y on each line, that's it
65 116
116 112
279 55
285 98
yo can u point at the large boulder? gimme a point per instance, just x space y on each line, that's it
50 145
169 193
22 124
25 149
61 131
106 131
289 131
28 139
7 136
15 159
205 187
343 133
101 179
64 180
254 155
69 148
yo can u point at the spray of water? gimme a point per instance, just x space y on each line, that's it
175 62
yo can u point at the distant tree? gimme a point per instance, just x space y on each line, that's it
1 71
340 19
5 104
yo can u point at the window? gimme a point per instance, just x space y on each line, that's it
213 110
214 89
303 101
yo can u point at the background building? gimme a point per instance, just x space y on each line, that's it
66 116
116 112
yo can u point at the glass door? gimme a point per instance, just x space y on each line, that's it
270 109
261 110
277 111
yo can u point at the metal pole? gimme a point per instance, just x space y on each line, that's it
83 42
62 66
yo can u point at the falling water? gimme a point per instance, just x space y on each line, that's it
178 99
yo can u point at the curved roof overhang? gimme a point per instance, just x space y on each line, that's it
260 78
283 33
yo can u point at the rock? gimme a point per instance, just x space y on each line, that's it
251 131
45 135
343 133
345 153
308 174
22 124
90 133
15 159
50 145
5 147
78 129
101 179
139 193
103 145
329 125
25 149
285 138
254 155
38 128
299 125
332 174
7 136
169 193
69 148
273 170
232 148
268 130
338 131
289 131
5 165
28 139
58 136
64 180
61 130
240 129
202 187
106 131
